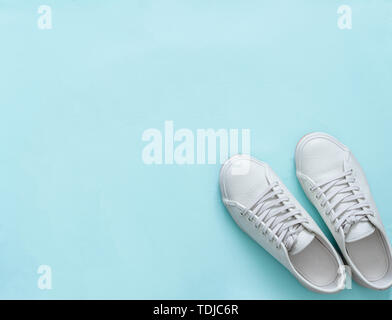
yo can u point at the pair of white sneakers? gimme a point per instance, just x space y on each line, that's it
334 182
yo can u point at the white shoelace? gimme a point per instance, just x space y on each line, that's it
278 214
340 190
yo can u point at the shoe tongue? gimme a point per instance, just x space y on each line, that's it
331 168
304 238
360 230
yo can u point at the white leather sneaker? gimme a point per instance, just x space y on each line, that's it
336 185
264 209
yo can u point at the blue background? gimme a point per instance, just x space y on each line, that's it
75 100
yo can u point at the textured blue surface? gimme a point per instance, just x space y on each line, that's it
75 100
